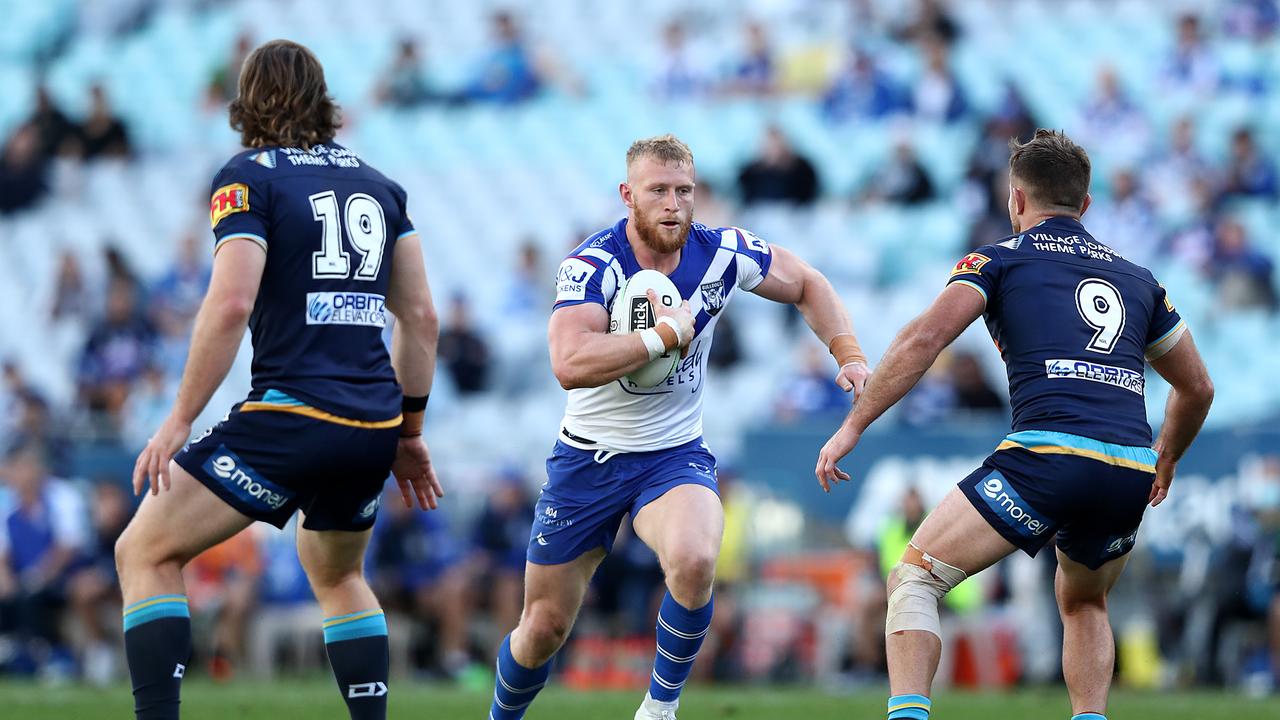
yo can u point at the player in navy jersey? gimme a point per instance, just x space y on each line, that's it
313 248
1075 323
624 449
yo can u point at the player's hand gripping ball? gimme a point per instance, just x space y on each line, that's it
633 312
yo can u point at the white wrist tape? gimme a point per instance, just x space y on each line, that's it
674 326
653 342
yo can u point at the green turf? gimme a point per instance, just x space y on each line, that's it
317 700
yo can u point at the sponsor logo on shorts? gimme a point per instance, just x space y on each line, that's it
244 481
1122 378
1005 501
346 308
369 508
1121 545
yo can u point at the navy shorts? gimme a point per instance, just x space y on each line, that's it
584 499
1088 493
266 464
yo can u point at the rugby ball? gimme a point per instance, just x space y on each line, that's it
632 312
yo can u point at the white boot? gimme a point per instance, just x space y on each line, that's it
652 709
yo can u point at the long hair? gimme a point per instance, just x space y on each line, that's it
283 99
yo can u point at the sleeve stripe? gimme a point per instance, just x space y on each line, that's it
240 236
1157 349
975 286
1162 338
406 234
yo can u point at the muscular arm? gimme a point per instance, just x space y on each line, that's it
1189 401
795 282
219 325
584 354
913 352
413 339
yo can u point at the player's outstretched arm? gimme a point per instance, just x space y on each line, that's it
796 282
585 355
413 355
905 362
219 327
1189 401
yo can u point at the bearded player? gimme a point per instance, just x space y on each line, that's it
626 449
1075 323
313 246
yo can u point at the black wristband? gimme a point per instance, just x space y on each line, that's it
414 404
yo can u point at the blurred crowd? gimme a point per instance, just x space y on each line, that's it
454 577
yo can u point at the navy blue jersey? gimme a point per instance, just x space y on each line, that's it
1075 323
329 224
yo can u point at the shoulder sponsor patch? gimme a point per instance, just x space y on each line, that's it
970 264
227 200
571 281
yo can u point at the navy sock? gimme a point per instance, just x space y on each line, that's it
680 635
516 685
157 643
909 707
358 653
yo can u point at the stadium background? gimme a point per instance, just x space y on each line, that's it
869 136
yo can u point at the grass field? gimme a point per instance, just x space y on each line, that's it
318 700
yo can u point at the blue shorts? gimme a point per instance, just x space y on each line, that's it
266 464
1090 494
583 501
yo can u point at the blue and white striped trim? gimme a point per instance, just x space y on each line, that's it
687 636
668 685
518 691
1157 348
367 623
674 658
975 286
510 708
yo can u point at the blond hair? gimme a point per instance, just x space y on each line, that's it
663 148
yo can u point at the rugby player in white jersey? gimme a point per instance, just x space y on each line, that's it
628 449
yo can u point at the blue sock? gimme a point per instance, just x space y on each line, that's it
680 634
1089 716
516 685
912 707
157 643
358 653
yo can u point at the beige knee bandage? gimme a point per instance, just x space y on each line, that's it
922 581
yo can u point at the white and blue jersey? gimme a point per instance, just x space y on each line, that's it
623 446
621 416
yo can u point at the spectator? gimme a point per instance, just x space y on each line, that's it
812 391
527 293
508 74
681 71
1192 242
70 294
938 96
464 352
223 582
1191 66
973 392
500 535
1173 171
709 208
861 91
119 349
417 568
778 173
57 133
931 20
24 173
405 83
103 134
1242 273
1249 173
1256 20
40 538
224 83
176 296
1125 219
903 180
726 348
1111 122
754 73
94 587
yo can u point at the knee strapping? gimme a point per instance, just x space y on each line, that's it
922 581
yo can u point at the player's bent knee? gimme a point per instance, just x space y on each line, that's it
545 629
692 574
915 586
